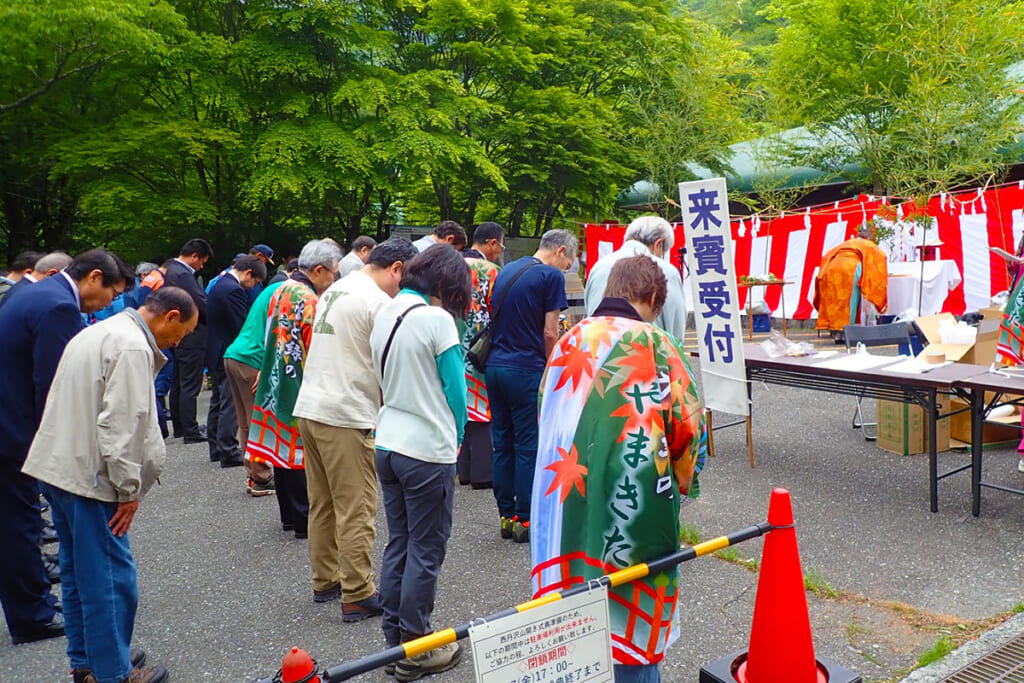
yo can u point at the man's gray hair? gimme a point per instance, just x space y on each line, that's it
55 260
553 239
650 229
319 253
144 269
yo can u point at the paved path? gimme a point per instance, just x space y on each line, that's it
225 593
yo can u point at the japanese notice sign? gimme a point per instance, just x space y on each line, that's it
566 641
705 205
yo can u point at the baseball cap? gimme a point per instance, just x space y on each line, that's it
266 251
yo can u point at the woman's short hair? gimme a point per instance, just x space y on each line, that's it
442 272
637 278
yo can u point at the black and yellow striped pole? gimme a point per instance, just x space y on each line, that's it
343 672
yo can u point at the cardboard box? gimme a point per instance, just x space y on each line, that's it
982 352
902 428
996 430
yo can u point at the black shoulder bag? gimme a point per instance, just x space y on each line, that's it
480 344
391 338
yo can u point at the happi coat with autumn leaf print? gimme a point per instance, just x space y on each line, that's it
622 439
273 433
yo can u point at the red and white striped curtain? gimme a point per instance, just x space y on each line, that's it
791 246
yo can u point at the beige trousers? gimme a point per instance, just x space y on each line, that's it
341 480
241 378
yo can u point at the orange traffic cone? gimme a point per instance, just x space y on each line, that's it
781 648
297 667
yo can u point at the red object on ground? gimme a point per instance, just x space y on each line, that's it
297 667
781 648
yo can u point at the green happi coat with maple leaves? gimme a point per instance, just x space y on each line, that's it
622 438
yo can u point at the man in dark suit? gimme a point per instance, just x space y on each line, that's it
45 267
190 355
227 306
36 330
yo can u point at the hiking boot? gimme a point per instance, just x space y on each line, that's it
506 526
521 532
259 490
327 594
433 662
149 674
361 609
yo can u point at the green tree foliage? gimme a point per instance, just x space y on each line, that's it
139 123
914 89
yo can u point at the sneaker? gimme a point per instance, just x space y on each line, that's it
327 594
521 532
149 674
258 490
506 526
1020 465
433 662
362 609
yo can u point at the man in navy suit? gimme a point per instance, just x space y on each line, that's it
46 266
190 355
36 330
227 306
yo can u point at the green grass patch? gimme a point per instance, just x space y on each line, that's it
1018 608
689 534
815 582
942 647
732 555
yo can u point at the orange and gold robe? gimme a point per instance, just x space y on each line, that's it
834 285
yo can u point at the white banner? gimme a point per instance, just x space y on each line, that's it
566 640
705 205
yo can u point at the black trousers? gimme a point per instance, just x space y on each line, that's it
222 420
292 499
476 455
188 381
24 588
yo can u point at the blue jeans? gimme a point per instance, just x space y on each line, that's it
418 501
98 584
513 399
637 674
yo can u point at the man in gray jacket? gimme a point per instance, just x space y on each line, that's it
98 450
648 236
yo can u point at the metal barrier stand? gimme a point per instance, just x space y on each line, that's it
343 672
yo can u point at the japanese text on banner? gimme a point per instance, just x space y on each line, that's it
705 205
566 641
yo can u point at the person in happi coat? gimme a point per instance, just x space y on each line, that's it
622 439
838 275
273 433
474 464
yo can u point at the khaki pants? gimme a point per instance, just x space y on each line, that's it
341 480
241 377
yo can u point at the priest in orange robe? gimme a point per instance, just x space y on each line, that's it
835 283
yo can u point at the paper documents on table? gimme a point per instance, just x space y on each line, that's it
857 361
915 366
